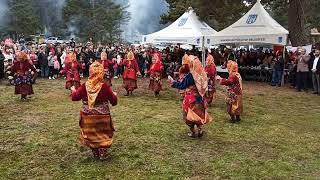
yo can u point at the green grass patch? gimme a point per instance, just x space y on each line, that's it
277 139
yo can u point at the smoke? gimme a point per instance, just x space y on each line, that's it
51 14
3 10
144 17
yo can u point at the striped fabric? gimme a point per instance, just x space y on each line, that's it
96 131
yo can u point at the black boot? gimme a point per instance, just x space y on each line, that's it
127 93
238 119
200 131
233 119
95 153
192 133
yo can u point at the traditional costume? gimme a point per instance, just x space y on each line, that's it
234 92
72 70
95 119
156 75
108 66
211 74
183 71
130 73
24 73
195 84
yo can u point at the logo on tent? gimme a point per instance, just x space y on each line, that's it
252 18
208 41
145 39
280 39
198 41
182 22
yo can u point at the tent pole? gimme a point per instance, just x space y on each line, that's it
203 53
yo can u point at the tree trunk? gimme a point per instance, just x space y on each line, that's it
299 34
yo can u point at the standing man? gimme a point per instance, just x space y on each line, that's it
316 72
277 69
302 69
43 63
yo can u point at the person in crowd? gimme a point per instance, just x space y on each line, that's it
130 73
63 57
278 68
34 58
56 67
157 53
51 65
8 63
142 62
316 72
302 69
119 66
71 69
211 73
156 71
234 92
43 63
24 73
1 65
95 120
194 105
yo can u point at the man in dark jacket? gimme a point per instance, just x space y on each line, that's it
277 69
315 70
43 63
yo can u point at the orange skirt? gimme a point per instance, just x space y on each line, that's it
96 131
236 107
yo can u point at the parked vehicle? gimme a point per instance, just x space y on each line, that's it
54 40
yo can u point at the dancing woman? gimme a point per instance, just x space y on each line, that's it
130 74
194 105
72 70
95 120
234 92
156 75
23 77
211 74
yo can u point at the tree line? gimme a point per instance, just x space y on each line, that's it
102 20
99 20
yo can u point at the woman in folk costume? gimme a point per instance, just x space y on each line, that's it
130 73
195 84
211 73
234 91
155 75
23 78
72 70
107 64
95 119
183 71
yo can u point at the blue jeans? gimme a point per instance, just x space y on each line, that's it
276 77
44 71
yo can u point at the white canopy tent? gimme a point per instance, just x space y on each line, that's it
188 29
255 27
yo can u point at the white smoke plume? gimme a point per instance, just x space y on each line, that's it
3 11
144 17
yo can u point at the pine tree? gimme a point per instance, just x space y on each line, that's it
22 18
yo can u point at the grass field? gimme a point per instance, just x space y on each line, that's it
279 137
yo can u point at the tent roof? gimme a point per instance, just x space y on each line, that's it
188 29
257 26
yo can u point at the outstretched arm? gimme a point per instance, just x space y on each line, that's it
186 82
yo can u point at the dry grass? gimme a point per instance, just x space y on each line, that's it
278 138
